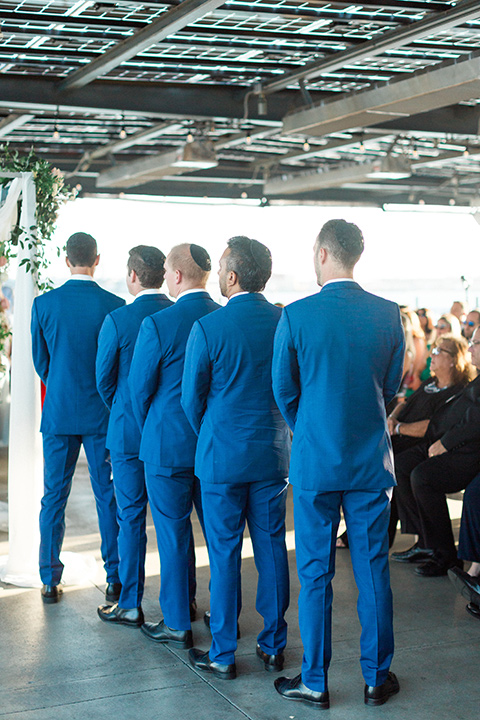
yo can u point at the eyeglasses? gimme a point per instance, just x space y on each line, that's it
442 327
438 350
470 323
472 343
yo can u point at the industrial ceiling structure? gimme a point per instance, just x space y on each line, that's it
275 100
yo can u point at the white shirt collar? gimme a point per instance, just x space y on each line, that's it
335 280
189 292
242 292
81 276
148 291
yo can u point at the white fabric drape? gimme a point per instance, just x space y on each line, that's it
25 482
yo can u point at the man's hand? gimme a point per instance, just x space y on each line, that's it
391 424
436 449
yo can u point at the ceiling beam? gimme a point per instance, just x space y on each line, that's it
446 84
170 22
462 12
12 122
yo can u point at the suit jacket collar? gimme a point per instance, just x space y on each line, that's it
150 296
197 295
249 297
341 285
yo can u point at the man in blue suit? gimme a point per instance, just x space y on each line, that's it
242 455
65 327
338 361
116 343
168 442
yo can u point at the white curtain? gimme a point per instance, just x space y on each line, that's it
25 466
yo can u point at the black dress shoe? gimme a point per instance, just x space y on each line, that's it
206 620
294 689
193 610
379 694
474 610
112 592
272 663
161 633
467 585
414 554
437 566
121 616
201 661
51 594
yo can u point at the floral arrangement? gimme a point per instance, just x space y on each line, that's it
51 194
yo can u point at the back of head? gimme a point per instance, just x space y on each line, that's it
193 261
251 261
344 242
148 262
81 250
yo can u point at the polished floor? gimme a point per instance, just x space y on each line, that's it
61 661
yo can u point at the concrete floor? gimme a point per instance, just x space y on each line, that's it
62 661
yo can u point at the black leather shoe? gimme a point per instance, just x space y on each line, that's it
412 555
272 663
161 633
474 610
193 610
467 585
115 614
436 566
379 694
206 620
112 592
51 594
201 661
294 689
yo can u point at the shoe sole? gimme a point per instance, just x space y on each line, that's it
313 703
374 702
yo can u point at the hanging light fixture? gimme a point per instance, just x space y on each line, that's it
123 133
306 146
56 131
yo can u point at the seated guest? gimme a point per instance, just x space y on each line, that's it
470 324
409 421
446 461
428 326
469 549
448 324
459 309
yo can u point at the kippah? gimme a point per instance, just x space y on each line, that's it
260 253
201 257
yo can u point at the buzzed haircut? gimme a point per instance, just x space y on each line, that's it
149 264
180 258
343 240
251 261
81 250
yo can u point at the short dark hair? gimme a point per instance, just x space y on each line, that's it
81 250
251 261
149 264
343 240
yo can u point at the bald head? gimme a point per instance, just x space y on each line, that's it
187 267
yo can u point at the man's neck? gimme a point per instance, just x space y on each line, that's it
77 270
188 287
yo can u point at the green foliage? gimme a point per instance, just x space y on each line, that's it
51 194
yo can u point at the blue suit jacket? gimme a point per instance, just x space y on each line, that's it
116 343
338 360
65 327
156 382
227 394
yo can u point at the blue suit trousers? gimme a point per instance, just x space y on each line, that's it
60 458
226 509
131 494
172 493
317 516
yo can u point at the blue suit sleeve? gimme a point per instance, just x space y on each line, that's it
285 372
108 355
144 374
394 374
41 356
196 377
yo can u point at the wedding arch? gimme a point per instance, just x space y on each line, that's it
38 190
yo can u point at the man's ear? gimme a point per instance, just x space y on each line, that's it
67 261
97 260
231 278
178 277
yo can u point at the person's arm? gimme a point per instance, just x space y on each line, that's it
413 429
106 366
394 373
197 373
466 430
144 375
286 372
41 356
